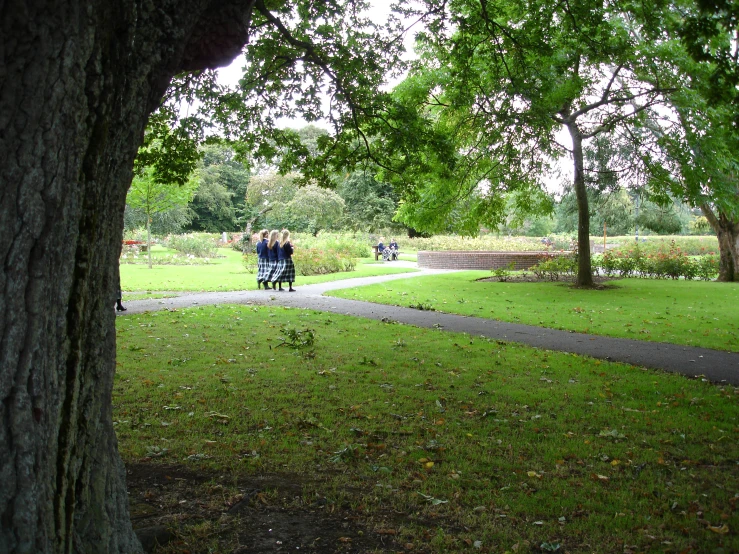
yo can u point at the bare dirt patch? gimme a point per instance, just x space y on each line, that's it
220 513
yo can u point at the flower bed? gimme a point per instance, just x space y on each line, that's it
665 263
470 259
131 245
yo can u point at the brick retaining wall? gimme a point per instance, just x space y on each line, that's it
475 259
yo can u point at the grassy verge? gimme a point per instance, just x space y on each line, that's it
434 439
681 312
221 274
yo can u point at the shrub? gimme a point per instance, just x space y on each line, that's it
242 243
608 262
250 259
355 246
707 267
319 261
136 235
689 245
198 245
553 267
627 265
502 274
661 263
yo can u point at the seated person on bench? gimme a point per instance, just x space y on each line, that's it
391 251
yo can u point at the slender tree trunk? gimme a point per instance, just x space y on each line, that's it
584 269
148 239
78 80
727 231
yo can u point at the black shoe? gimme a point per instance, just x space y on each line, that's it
291 290
267 287
120 308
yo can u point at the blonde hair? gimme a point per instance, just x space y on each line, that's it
285 236
272 238
263 234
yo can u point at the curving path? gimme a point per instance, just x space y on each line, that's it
714 365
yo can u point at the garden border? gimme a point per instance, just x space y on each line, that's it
477 259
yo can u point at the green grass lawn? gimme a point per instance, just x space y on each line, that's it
447 439
221 274
682 312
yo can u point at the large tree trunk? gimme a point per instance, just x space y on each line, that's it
584 269
78 80
727 231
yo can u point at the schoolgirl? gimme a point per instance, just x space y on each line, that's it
262 260
285 266
273 247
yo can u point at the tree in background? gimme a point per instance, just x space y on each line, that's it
154 197
370 205
314 209
171 222
694 150
267 197
219 202
613 208
493 84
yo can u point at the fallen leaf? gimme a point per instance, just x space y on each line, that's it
723 530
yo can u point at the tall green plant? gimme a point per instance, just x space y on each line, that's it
153 197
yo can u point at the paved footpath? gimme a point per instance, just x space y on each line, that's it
714 365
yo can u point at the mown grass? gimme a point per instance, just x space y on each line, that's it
220 274
680 312
460 439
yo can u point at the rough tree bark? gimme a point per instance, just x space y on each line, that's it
727 231
78 80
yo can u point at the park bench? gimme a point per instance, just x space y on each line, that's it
377 253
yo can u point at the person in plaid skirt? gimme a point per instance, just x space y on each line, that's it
262 260
273 247
285 266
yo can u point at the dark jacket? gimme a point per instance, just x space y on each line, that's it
274 252
285 252
262 250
